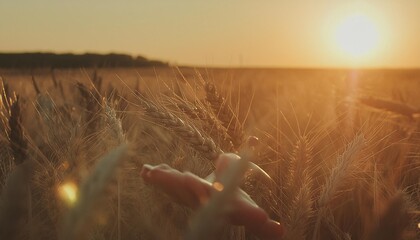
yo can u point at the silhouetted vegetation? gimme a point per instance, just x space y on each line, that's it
52 60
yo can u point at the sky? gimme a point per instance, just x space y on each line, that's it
229 33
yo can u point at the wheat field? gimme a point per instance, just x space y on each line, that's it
342 149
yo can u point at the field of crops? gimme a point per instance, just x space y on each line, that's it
341 148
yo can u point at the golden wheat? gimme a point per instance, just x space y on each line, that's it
61 135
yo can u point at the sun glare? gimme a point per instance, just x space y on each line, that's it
357 35
68 192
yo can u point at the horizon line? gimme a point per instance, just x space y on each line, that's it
221 66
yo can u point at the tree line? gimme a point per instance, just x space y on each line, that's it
69 60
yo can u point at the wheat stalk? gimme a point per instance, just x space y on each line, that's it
14 201
394 220
90 191
115 126
307 209
334 229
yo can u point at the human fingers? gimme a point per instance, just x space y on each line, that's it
270 230
246 213
223 162
169 181
185 188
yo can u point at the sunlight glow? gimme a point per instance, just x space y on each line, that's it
68 192
357 35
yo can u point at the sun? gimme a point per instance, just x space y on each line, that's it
357 35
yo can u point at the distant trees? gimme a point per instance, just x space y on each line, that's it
52 60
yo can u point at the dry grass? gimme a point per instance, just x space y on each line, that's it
340 166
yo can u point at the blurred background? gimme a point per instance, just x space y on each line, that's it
246 33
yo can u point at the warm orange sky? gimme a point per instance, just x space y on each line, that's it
231 33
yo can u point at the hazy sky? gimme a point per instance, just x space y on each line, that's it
218 33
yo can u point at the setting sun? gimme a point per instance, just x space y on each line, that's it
357 35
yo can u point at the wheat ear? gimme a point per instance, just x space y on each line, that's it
90 103
97 80
391 106
186 131
210 123
35 84
114 123
5 93
300 212
4 105
225 114
18 143
16 198
299 190
338 174
300 162
4 113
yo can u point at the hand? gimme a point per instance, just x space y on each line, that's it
193 191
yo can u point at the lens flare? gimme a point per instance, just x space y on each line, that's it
218 186
68 192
